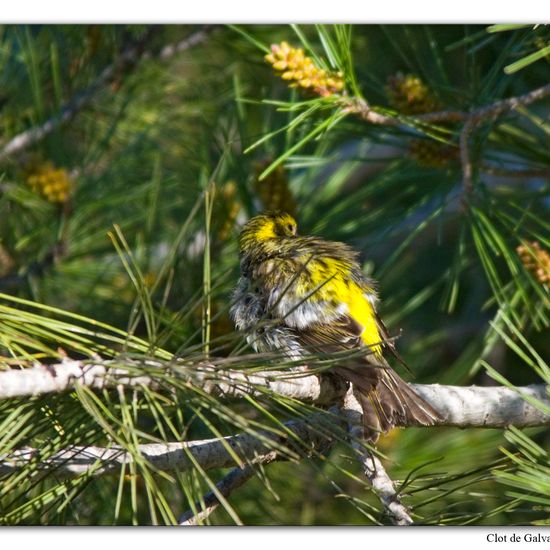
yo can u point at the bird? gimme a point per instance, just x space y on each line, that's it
303 295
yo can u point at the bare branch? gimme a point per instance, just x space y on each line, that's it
64 376
488 407
362 109
195 39
495 407
475 118
126 62
232 481
504 105
470 407
381 483
384 488
209 454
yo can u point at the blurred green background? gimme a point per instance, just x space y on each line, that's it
165 131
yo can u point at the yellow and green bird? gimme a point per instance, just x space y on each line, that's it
302 295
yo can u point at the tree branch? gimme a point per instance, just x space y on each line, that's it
476 117
215 378
195 39
365 112
495 407
258 447
380 481
127 60
472 120
64 376
464 407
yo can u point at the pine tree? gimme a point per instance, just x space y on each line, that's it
131 156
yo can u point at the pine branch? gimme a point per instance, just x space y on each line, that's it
365 112
381 483
384 488
464 407
472 120
126 62
495 407
301 436
195 39
44 379
478 116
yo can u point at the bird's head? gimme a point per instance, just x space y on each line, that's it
265 228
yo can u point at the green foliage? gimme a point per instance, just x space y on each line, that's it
139 263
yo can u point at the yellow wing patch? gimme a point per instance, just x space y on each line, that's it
334 283
362 312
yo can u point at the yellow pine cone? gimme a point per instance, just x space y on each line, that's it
536 260
301 72
410 96
52 183
432 153
274 191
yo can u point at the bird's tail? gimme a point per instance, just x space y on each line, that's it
387 400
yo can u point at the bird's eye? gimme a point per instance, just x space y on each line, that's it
291 229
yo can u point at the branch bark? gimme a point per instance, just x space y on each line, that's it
64 376
380 481
472 406
209 454
490 407
464 407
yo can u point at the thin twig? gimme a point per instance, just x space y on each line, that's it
475 118
196 38
232 481
363 110
126 61
467 169
515 173
505 105
380 481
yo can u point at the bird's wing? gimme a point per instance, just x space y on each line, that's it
339 335
386 400
389 344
